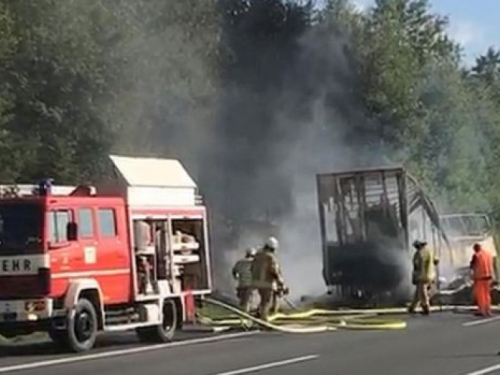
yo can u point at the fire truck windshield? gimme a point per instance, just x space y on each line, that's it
20 227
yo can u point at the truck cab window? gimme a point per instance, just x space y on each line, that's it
107 222
20 226
85 223
58 223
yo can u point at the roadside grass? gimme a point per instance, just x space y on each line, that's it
29 339
214 312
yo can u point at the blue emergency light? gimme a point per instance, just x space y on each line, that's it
45 186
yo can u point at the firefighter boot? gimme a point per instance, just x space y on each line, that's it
425 310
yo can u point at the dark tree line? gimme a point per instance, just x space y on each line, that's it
248 94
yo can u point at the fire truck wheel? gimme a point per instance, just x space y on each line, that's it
163 332
82 327
166 330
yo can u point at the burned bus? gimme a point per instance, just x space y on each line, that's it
368 220
464 230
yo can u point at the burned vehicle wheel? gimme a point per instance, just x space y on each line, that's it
163 332
82 327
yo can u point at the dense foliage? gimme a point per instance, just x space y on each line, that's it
224 85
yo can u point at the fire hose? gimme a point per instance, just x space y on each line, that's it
320 320
309 321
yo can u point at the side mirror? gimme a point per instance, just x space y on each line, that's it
72 231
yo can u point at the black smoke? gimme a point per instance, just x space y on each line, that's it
291 107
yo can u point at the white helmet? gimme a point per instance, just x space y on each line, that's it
272 243
250 252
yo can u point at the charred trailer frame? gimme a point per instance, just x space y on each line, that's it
368 221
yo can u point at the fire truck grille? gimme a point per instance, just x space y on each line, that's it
19 287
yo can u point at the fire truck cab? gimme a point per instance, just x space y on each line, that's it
126 254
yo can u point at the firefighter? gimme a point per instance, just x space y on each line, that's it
422 277
267 276
482 270
242 272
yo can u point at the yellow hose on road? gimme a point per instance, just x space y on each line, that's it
380 311
322 320
311 321
249 318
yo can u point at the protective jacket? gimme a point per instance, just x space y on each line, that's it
424 266
242 271
482 265
266 271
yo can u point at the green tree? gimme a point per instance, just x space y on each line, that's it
165 102
8 153
59 75
401 40
487 67
421 107
484 81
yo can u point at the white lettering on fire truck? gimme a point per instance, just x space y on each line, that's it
22 265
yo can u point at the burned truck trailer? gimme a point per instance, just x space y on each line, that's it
369 219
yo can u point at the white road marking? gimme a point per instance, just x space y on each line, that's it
481 321
267 366
484 371
117 353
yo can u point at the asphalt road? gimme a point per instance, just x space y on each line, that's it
443 344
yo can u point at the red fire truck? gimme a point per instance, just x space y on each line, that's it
125 254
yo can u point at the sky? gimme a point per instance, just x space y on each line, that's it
475 24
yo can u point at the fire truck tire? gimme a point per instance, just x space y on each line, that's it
82 327
163 332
